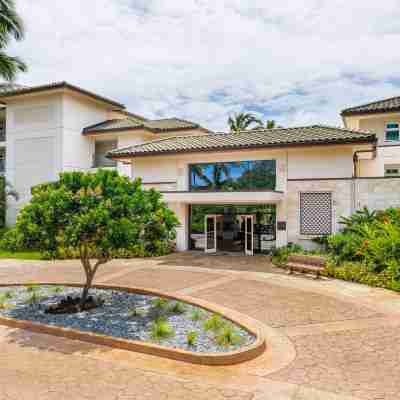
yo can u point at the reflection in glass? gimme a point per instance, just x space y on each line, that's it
233 176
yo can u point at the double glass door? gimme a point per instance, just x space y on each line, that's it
215 222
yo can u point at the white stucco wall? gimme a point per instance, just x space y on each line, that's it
79 113
32 123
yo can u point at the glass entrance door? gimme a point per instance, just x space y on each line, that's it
210 233
249 235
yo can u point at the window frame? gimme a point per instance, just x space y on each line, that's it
392 167
389 130
193 188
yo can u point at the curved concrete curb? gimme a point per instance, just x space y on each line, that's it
228 358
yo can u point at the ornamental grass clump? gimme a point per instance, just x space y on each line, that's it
228 336
177 308
215 323
197 315
33 298
160 303
191 338
56 289
161 329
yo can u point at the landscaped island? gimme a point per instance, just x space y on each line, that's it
127 315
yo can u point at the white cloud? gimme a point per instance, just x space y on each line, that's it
296 61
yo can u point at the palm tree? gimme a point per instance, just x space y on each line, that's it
269 124
242 121
11 26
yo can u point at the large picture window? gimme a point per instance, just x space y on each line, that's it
233 176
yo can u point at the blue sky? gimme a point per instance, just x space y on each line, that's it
298 62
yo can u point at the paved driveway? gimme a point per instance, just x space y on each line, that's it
326 339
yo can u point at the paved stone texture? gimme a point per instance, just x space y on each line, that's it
363 363
326 339
279 307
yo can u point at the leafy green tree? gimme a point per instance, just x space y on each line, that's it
11 27
269 124
242 121
97 214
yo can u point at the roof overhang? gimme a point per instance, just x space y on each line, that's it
245 197
126 156
60 87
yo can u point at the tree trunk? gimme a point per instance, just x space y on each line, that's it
85 291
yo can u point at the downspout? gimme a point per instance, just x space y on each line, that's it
355 172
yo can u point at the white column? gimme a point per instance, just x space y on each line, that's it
181 211
281 215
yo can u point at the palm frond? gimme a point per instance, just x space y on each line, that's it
10 66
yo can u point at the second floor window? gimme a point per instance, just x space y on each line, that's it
101 150
233 176
392 132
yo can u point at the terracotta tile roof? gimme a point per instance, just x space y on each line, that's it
155 126
278 137
18 90
381 106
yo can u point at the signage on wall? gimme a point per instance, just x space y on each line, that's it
281 225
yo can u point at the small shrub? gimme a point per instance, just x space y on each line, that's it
214 323
160 303
228 336
56 289
135 312
197 315
191 338
9 294
177 308
32 287
161 329
33 298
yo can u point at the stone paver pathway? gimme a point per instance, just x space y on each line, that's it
326 339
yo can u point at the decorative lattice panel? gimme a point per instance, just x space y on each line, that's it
315 213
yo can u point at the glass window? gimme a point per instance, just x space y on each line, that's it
233 176
392 170
100 153
392 132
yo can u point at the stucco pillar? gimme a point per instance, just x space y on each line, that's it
181 211
281 216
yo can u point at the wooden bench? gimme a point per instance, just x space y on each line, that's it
306 264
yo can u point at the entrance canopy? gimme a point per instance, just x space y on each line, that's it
246 197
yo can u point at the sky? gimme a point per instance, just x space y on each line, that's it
299 62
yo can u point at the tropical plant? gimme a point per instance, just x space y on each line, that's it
214 323
33 298
197 315
160 303
135 312
177 308
96 214
11 27
191 338
228 336
32 287
360 217
242 121
269 124
161 329
56 289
